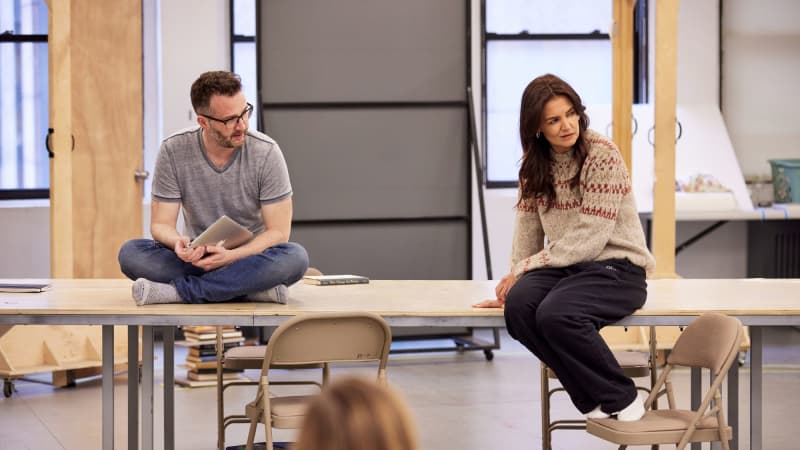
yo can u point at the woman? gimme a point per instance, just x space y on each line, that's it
357 414
575 191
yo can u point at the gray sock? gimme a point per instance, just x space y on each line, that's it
278 294
147 292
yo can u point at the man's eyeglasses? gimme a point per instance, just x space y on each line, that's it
231 122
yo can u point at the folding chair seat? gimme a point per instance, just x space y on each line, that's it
712 341
632 349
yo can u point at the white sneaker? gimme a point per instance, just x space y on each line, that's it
632 412
597 413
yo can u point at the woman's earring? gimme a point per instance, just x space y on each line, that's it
538 134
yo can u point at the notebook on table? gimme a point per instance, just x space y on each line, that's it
325 280
24 287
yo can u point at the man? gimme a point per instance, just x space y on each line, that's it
217 168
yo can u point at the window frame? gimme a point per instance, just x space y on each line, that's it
640 70
9 37
236 39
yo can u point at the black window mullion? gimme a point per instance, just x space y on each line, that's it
594 35
24 194
640 49
22 38
363 105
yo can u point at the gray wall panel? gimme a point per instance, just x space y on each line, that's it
385 163
316 50
397 251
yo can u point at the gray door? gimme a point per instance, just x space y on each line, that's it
368 102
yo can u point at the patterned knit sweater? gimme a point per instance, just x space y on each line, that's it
593 221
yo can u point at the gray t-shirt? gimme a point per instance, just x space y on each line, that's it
256 175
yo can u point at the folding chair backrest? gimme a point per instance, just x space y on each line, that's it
708 342
330 337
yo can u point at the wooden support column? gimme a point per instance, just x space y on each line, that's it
108 126
95 49
665 104
622 73
60 75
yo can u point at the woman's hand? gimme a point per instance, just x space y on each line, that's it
504 286
500 291
489 304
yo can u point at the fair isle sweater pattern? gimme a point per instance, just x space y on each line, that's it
595 220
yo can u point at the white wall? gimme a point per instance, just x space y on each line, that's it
195 38
698 51
25 239
761 69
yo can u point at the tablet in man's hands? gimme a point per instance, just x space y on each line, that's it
224 230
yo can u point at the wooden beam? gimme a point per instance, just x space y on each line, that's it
622 73
665 104
60 76
107 115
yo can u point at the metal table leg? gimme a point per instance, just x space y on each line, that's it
133 386
108 387
168 334
756 402
147 387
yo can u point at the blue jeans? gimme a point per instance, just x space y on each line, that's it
280 264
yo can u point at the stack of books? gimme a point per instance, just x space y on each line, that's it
201 359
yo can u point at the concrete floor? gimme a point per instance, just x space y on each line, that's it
460 401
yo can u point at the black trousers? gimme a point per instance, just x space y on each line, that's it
557 314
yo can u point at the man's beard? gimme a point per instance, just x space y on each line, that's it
225 141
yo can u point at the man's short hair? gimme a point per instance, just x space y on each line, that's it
218 82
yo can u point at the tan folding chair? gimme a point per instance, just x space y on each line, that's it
632 349
314 339
243 358
711 341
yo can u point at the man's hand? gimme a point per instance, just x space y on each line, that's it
216 257
500 291
186 254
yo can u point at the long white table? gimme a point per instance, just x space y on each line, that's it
757 303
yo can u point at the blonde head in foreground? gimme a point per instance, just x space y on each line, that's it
357 414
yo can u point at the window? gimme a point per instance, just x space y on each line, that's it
243 52
24 165
523 39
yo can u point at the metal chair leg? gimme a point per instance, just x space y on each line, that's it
545 397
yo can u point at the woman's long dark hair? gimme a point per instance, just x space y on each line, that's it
535 178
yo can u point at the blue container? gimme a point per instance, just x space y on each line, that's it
786 180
